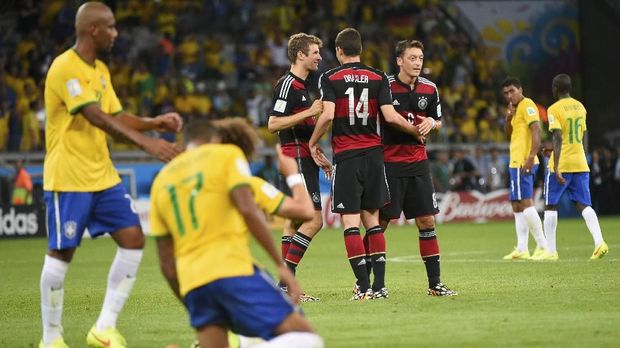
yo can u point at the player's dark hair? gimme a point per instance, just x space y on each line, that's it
199 131
404 45
301 42
350 42
562 83
237 131
511 81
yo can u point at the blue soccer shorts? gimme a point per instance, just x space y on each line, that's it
70 213
521 185
250 305
577 186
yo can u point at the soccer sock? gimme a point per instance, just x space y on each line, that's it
535 225
296 251
294 339
429 250
357 256
52 294
522 232
286 243
592 222
121 278
551 224
376 246
368 259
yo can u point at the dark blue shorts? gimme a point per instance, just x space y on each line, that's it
69 213
577 186
250 306
521 186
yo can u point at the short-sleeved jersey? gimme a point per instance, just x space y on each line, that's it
77 157
521 138
358 92
190 201
403 152
267 197
569 116
290 96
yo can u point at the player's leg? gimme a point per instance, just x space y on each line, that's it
579 192
531 216
346 201
212 336
393 210
67 213
113 211
303 236
376 251
553 192
521 251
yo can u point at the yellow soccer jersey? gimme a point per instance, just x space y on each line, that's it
521 139
190 201
77 157
569 116
267 197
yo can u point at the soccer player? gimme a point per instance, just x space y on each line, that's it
523 129
292 116
82 188
201 210
568 169
353 94
406 163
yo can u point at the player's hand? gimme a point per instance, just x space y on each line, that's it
286 165
170 121
287 278
560 178
319 157
161 149
329 172
316 108
421 139
527 166
425 125
510 111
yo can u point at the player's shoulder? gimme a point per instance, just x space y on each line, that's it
426 82
284 79
63 62
528 102
332 71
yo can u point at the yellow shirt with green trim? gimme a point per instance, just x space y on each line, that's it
77 157
569 116
267 197
521 138
190 202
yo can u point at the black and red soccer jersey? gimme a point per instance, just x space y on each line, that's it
358 92
401 150
290 96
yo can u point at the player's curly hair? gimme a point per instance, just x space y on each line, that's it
237 131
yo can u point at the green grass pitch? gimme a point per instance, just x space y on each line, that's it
573 302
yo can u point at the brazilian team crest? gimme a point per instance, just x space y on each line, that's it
70 229
422 103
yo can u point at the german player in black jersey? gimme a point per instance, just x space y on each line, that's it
353 94
292 117
406 163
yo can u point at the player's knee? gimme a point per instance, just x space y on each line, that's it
425 222
65 255
295 322
130 238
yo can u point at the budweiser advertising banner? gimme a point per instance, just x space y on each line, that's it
22 221
475 206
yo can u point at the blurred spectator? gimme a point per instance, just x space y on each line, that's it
596 180
22 185
440 172
464 173
269 171
497 171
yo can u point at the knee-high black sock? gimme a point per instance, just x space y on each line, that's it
357 256
429 250
376 242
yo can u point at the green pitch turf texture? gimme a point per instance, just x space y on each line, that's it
573 302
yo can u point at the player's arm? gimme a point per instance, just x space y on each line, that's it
557 148
277 123
167 265
159 148
529 161
321 127
392 117
298 207
170 121
241 197
510 112
433 119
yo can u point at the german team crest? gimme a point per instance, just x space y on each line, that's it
422 103
70 229
316 197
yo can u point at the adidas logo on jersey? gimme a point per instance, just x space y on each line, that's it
303 98
340 206
395 102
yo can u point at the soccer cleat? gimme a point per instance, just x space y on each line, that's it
381 294
108 338
308 298
57 343
440 290
541 255
517 255
362 296
554 256
600 251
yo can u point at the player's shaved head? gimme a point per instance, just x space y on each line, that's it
562 83
90 14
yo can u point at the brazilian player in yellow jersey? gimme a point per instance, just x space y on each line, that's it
523 130
82 188
201 211
568 170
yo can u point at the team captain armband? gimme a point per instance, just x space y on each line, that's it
294 179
